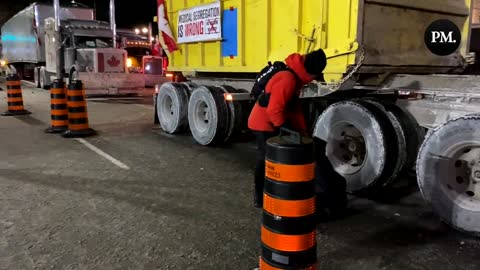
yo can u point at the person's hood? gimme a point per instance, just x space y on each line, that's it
295 62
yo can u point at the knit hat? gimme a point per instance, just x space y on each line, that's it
315 62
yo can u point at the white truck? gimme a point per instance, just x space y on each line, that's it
88 54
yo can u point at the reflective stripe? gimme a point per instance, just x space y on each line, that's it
15 108
74 127
14 99
286 208
82 115
59 123
283 242
56 91
14 91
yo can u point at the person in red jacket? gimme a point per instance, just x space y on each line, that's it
284 108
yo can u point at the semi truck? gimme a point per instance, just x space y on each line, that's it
140 58
88 54
390 101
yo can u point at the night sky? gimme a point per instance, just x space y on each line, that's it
129 14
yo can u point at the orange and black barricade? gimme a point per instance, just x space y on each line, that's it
59 109
288 232
14 97
77 112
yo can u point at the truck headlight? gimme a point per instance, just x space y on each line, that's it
129 62
3 63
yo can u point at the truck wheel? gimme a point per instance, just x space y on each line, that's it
172 107
361 144
36 77
448 172
413 133
400 140
236 113
208 115
44 81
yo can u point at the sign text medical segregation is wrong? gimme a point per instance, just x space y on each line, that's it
200 23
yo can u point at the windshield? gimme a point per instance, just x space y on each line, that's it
93 42
136 51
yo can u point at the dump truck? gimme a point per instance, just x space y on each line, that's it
28 40
399 90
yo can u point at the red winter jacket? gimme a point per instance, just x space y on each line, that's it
283 86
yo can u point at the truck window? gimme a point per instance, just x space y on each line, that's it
93 42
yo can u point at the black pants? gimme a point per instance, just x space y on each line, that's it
262 138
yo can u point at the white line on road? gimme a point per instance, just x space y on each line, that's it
103 154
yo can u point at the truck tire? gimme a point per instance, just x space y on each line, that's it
172 107
36 77
361 144
448 172
414 134
400 140
236 114
44 79
208 115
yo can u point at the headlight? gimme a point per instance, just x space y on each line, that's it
129 62
3 63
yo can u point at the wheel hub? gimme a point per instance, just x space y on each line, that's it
348 151
202 116
467 173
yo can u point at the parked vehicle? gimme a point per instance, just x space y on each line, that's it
29 44
140 57
384 88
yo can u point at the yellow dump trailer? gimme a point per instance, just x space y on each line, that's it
390 32
396 69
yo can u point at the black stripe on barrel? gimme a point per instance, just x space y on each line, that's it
16 95
13 78
290 260
76 98
78 121
58 107
58 84
75 85
290 191
17 103
58 96
59 117
280 150
77 109
289 225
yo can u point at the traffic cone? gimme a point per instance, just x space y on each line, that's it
288 232
59 108
14 97
77 112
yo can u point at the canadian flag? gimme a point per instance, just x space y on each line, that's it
164 27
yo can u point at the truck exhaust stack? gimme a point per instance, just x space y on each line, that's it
113 24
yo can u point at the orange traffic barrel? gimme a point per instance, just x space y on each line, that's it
59 109
14 97
288 232
77 112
